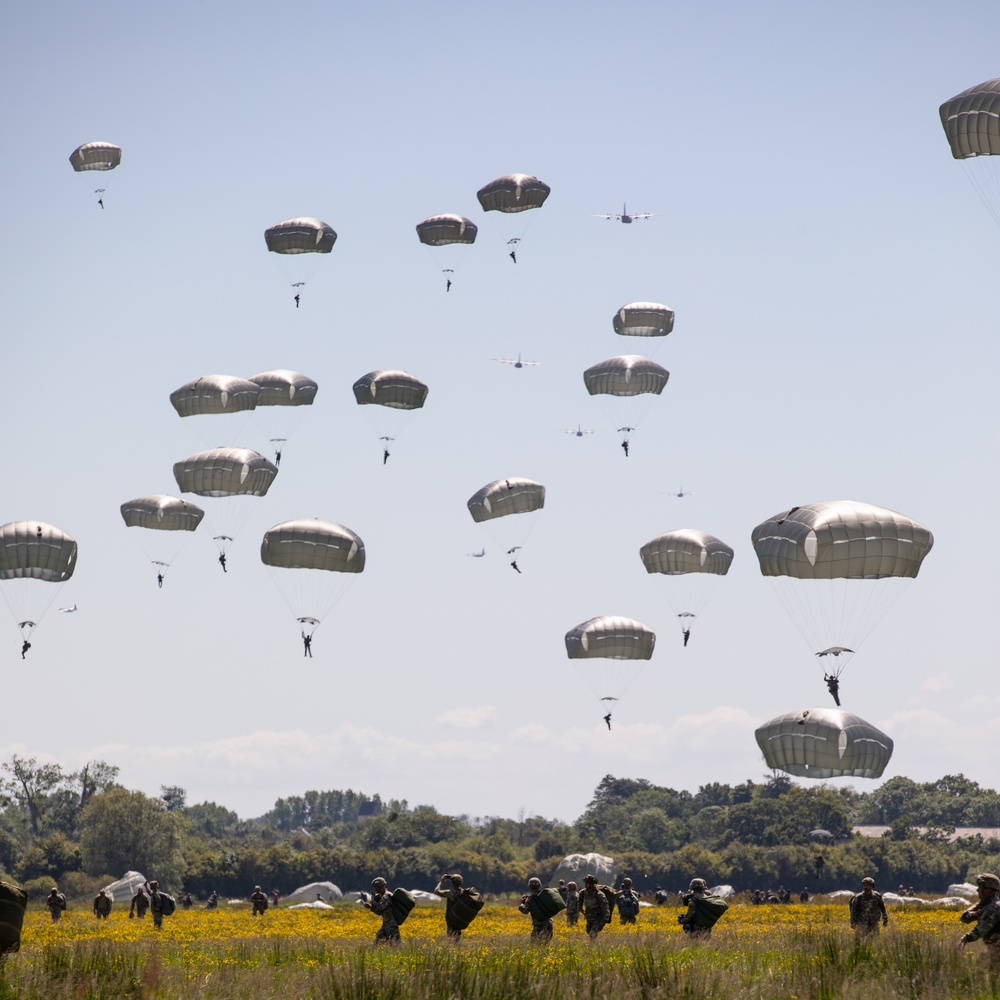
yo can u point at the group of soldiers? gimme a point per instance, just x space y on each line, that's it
147 897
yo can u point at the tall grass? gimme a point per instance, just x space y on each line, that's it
763 953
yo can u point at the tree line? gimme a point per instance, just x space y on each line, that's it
83 829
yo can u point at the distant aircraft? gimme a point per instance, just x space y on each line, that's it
680 493
479 554
517 364
68 610
625 217
579 431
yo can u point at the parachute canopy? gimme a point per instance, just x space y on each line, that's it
643 319
225 472
610 637
282 387
971 121
391 387
161 513
506 496
309 543
841 539
513 193
215 394
686 550
442 230
625 375
824 743
96 156
37 551
302 235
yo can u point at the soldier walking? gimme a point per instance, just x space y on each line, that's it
450 895
140 903
102 905
541 925
595 907
986 915
572 904
56 902
868 909
381 903
259 901
628 902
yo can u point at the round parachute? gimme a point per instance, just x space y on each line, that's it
824 743
694 561
443 230
513 193
96 156
643 319
213 394
625 375
225 472
314 562
32 555
837 567
506 496
971 121
390 387
302 235
170 519
622 641
282 387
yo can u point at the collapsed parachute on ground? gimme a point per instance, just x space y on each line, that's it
643 319
824 743
33 555
612 650
215 394
513 193
302 235
693 561
971 121
316 559
837 566
96 156
444 230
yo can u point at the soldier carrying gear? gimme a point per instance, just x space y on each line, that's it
540 910
628 902
595 906
259 901
381 903
867 909
986 914
450 896
572 904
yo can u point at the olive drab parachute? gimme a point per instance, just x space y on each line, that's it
33 556
389 395
230 475
824 743
837 567
443 230
513 193
96 156
613 650
693 561
627 378
501 499
314 561
292 240
170 519
643 319
282 394
971 122
215 394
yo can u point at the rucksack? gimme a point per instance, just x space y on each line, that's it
612 896
401 902
549 902
464 909
167 904
708 910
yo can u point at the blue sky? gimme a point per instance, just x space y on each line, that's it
832 274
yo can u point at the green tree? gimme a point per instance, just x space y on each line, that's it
123 830
30 783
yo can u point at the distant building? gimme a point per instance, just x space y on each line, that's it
368 811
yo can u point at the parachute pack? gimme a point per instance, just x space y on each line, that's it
167 904
708 910
549 902
464 909
612 896
13 902
402 902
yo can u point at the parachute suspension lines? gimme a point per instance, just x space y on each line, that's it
983 173
611 651
445 235
513 197
505 497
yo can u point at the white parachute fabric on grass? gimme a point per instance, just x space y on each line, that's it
574 867
838 566
824 743
643 319
126 887
325 892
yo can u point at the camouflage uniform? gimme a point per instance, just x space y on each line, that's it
155 904
541 925
628 904
388 933
572 907
595 907
986 914
56 902
259 901
140 903
867 911
102 905
449 896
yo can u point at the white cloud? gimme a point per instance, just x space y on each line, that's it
467 718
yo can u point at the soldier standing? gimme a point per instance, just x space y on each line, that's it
259 901
155 903
628 902
541 925
140 903
102 905
56 902
450 895
595 906
867 909
986 914
572 904
381 903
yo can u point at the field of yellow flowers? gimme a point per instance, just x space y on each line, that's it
792 952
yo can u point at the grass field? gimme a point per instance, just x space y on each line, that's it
796 952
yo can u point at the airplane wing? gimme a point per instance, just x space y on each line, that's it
645 215
505 361
607 215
